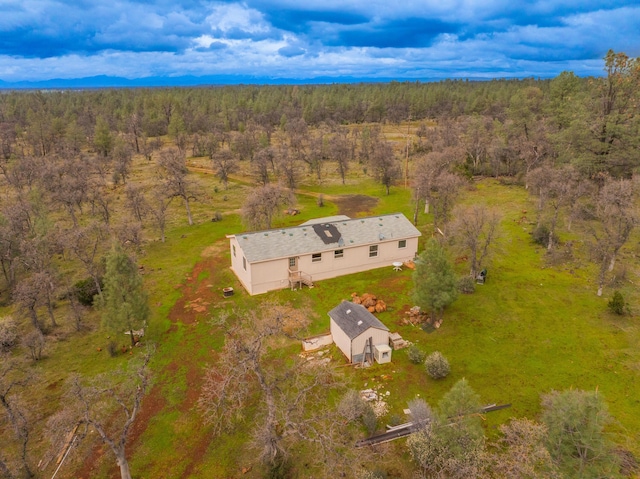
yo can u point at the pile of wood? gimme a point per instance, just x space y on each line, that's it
415 316
369 301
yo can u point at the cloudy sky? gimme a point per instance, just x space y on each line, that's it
307 39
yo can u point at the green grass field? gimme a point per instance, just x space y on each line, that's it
533 327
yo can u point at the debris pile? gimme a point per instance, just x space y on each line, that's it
416 317
369 301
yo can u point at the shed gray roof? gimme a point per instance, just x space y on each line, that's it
354 319
298 240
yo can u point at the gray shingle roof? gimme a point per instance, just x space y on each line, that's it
354 319
298 240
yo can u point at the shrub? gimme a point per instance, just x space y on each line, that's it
540 235
617 304
416 356
370 420
85 290
466 285
437 365
112 347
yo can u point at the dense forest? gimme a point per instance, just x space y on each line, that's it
90 177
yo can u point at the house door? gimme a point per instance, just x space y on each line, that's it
293 264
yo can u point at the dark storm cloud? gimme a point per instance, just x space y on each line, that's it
294 39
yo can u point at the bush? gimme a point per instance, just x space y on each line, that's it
617 304
466 285
416 356
8 334
85 290
437 365
370 420
540 235
112 347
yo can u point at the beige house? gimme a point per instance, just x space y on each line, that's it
359 334
320 249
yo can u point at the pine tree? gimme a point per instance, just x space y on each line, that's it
125 305
435 282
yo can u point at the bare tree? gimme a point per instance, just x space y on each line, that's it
158 206
557 189
522 453
261 163
224 163
288 167
136 201
109 404
262 204
11 378
475 228
340 150
85 244
292 404
616 214
122 159
174 173
385 165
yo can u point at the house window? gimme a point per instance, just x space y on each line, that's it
234 251
339 253
244 263
292 262
316 257
402 244
373 251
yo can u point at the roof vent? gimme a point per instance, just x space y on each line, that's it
340 242
348 311
381 236
359 323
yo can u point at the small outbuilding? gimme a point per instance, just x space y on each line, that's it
359 334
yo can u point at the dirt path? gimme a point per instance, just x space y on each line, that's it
192 306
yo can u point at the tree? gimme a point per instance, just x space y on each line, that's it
109 404
174 172
452 444
289 395
224 163
386 167
340 150
576 439
158 206
262 204
475 229
522 452
13 410
558 189
436 185
616 217
125 306
102 138
435 284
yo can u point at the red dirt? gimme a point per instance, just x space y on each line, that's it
188 310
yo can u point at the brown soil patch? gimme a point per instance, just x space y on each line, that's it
197 297
353 205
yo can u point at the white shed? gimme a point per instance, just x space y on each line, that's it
358 333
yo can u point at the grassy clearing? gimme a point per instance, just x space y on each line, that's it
530 329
